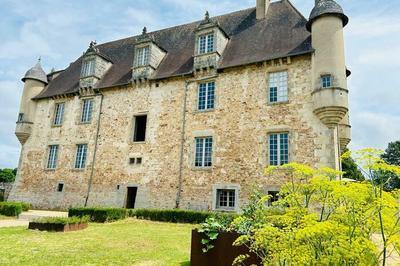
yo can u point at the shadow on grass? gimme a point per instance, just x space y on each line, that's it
186 263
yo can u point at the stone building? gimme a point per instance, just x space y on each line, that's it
187 116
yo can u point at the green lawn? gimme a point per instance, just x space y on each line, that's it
130 242
2 217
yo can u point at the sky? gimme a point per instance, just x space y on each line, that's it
60 31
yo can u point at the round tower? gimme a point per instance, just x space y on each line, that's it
326 24
35 81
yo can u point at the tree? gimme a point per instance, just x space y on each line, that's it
391 156
7 175
350 168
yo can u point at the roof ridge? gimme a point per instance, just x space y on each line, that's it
176 26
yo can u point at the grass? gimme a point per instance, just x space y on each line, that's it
128 242
2 217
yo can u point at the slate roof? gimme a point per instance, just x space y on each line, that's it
283 33
36 73
326 7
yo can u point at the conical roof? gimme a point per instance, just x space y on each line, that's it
326 7
36 73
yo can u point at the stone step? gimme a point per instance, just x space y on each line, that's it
32 215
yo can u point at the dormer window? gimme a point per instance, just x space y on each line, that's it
88 68
326 81
206 43
142 56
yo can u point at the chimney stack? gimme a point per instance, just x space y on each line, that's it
262 9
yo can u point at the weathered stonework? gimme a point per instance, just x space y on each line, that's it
240 123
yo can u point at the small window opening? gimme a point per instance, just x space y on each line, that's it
20 117
273 197
60 187
118 186
139 160
326 81
132 160
140 128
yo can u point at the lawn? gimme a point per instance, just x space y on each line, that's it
2 217
130 242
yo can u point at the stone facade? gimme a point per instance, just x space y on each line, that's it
5 189
239 125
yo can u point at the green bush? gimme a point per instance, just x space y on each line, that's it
99 215
10 208
25 206
63 220
178 216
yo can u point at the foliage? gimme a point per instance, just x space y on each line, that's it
319 220
391 156
63 220
7 175
25 206
127 242
99 215
211 229
350 168
177 216
10 208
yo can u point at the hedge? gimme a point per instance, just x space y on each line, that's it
62 220
99 215
178 216
10 208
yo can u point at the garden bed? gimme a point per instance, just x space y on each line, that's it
223 253
58 224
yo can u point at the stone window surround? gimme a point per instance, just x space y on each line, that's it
192 159
203 32
207 36
276 130
82 99
85 61
235 187
137 48
271 188
53 112
277 70
63 188
196 107
319 82
132 128
46 156
76 153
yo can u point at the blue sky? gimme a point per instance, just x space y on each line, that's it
60 31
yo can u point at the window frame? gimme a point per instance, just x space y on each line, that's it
52 156
86 114
134 127
228 199
281 92
209 98
88 68
81 158
326 79
58 117
142 57
271 200
209 43
279 149
204 164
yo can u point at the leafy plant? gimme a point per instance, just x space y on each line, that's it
10 208
99 215
63 220
211 229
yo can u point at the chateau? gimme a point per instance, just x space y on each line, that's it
188 116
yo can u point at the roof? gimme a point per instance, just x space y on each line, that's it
326 7
283 33
36 73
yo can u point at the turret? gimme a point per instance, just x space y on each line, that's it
35 80
329 70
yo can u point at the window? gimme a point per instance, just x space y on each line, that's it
279 149
226 199
203 156
52 157
20 117
273 197
81 154
140 128
135 160
142 56
88 68
139 160
58 114
87 109
326 81
206 96
60 187
206 43
278 87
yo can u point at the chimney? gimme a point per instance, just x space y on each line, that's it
262 9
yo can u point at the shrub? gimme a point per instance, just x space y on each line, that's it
178 216
99 215
25 206
63 220
10 208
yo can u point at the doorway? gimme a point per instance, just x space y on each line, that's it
131 197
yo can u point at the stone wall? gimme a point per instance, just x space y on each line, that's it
239 124
5 189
